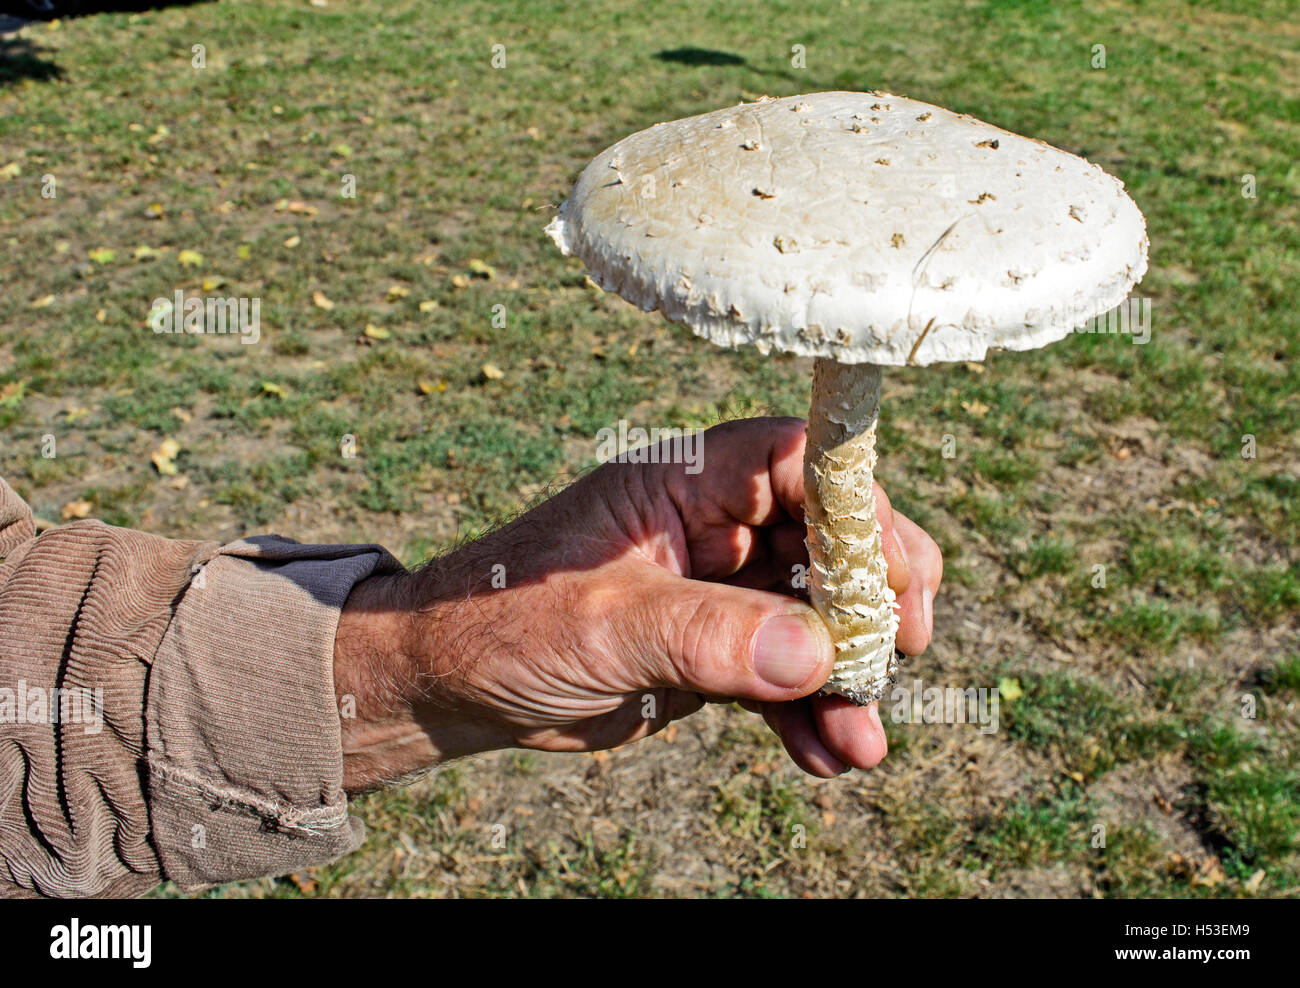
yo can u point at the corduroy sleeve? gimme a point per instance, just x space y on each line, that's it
167 707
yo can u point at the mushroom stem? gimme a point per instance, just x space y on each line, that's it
848 580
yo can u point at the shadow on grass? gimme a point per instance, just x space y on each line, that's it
44 10
699 56
20 59
711 56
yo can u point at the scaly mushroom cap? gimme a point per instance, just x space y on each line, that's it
858 226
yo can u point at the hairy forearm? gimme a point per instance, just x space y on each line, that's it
395 643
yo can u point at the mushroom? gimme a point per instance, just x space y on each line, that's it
863 230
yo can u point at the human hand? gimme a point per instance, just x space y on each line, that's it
629 600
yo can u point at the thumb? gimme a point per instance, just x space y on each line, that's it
722 640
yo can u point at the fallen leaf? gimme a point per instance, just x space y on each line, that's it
164 457
189 258
1010 689
976 408
43 301
1253 882
154 211
377 332
293 241
974 368
321 301
481 269
460 281
77 509
145 253
492 372
343 150
101 315
428 305
296 207
213 283
244 251
103 255
271 388
11 170
396 292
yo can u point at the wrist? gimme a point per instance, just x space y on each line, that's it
399 712
375 679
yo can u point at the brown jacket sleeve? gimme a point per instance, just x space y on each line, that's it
167 708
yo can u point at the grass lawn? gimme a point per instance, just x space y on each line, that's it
1121 522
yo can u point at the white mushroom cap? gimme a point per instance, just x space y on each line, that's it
858 226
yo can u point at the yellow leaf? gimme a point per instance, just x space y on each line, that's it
1010 689
213 283
976 408
271 388
154 211
164 457
244 251
43 301
428 305
77 509
396 292
974 368
293 241
189 258
460 281
321 301
343 150
101 315
481 269
492 372
377 332
426 387
103 255
11 170
145 253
